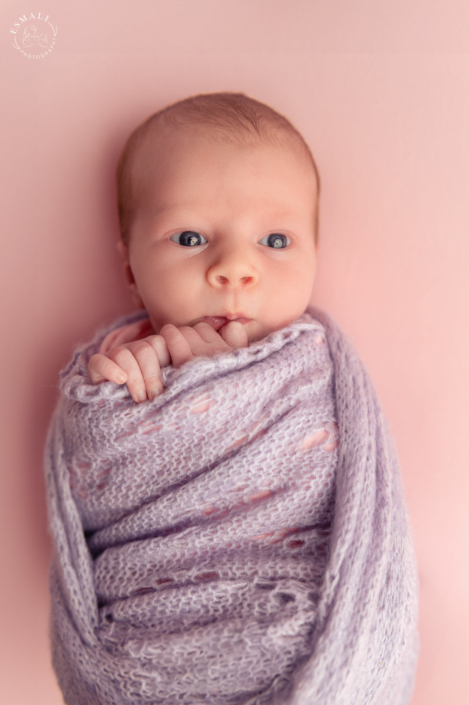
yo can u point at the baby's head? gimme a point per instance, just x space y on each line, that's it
218 207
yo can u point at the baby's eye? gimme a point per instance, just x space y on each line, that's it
276 240
188 238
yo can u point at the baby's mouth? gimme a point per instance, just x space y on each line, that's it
218 322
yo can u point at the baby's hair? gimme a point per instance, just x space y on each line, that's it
227 117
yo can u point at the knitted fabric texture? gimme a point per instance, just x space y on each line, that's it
241 539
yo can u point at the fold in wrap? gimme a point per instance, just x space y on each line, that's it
240 539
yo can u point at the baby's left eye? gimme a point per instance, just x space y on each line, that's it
276 240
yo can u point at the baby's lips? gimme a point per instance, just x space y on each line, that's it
218 322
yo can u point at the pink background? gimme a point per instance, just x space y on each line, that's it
380 91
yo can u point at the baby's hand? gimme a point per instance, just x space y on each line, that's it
201 340
139 363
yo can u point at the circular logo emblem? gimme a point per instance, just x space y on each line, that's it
34 35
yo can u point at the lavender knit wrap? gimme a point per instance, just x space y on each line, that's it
241 539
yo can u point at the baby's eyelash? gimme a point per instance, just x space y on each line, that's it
191 238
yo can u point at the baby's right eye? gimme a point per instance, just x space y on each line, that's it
188 238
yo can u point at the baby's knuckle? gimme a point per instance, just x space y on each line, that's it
119 350
168 329
173 336
142 347
203 325
183 358
122 356
152 378
135 382
154 339
105 364
94 362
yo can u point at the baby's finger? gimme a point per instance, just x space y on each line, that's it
178 347
126 360
206 332
203 340
234 335
101 369
147 359
162 352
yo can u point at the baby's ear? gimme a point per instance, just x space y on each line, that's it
123 250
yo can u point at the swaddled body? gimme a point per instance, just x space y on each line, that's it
208 516
270 567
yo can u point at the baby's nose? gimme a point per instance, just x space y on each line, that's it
232 271
233 279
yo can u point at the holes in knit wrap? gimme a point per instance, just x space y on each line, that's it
295 543
331 446
272 537
284 597
208 575
149 427
238 443
333 440
329 433
86 477
315 440
202 404
237 500
319 339
201 408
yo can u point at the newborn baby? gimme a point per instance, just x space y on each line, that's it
224 495
219 236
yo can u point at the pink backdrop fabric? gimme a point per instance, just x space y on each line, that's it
379 90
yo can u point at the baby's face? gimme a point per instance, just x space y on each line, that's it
223 232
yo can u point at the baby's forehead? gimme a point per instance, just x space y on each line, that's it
164 142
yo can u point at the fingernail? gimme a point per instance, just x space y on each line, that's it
155 392
121 379
141 395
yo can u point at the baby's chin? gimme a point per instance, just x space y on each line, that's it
257 331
